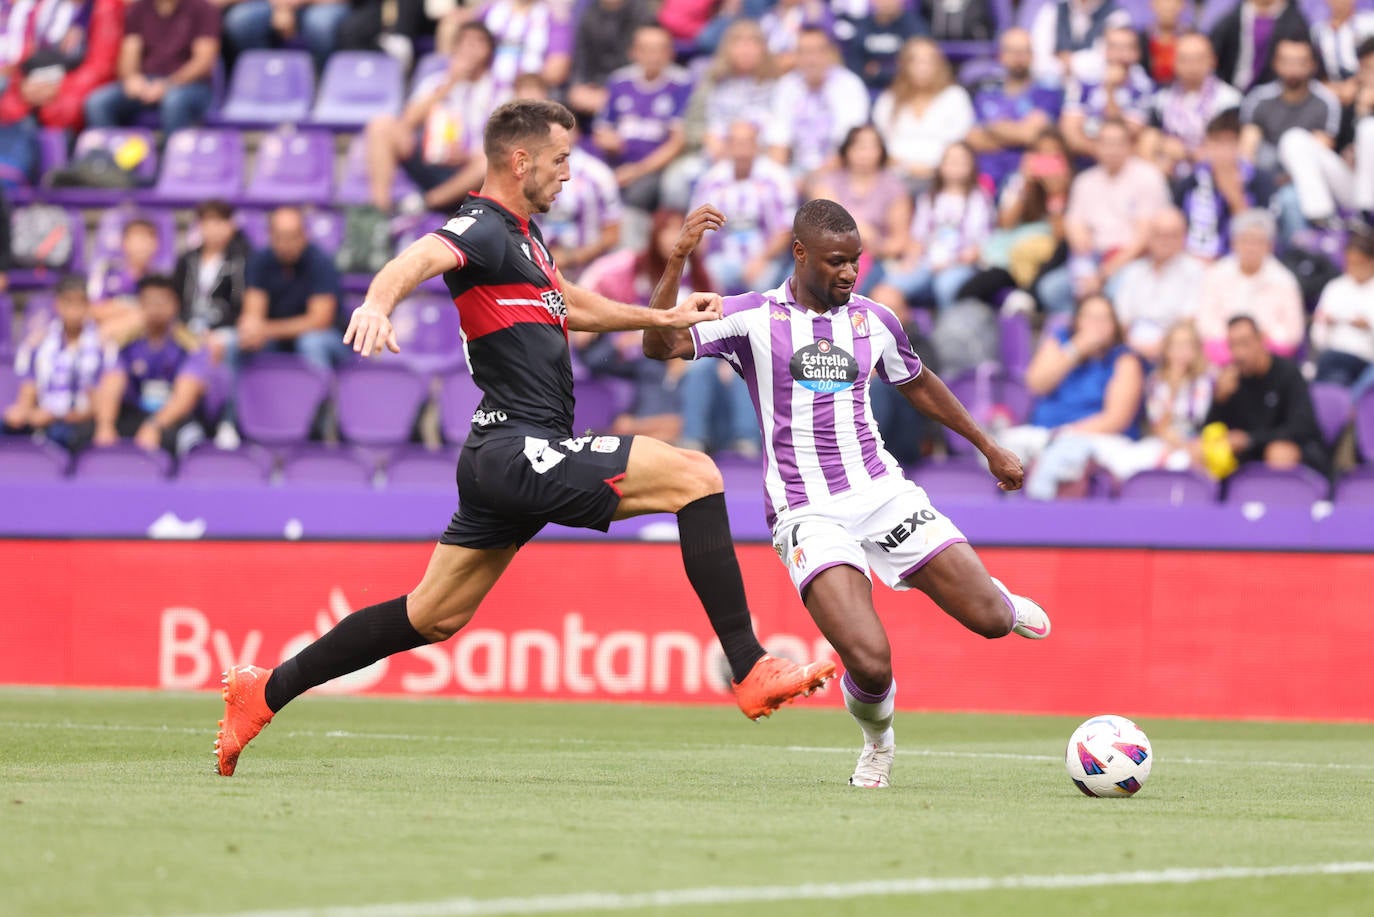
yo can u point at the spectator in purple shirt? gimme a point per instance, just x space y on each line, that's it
1221 184
1013 111
640 131
152 392
58 372
113 283
1124 92
165 61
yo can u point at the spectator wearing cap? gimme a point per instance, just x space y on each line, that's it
292 296
1251 282
165 62
59 369
1265 403
151 393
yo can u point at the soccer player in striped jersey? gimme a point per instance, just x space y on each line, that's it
837 501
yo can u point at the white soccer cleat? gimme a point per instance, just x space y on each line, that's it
1031 620
874 770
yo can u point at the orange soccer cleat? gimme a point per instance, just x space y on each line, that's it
245 713
773 682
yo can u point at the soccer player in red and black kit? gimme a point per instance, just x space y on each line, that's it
521 468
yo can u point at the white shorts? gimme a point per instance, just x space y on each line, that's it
889 527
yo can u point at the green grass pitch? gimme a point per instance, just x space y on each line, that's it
390 808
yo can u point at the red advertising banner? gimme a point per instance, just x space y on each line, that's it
1138 632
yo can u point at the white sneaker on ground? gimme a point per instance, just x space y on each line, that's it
874 769
1031 620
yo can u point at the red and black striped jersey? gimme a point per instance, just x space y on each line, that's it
514 320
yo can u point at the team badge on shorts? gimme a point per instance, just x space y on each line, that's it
798 556
606 444
860 322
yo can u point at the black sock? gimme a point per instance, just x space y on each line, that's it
355 643
708 554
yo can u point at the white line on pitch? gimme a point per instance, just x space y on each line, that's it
684 897
565 740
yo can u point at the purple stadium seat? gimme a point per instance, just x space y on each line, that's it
252 221
207 464
123 463
420 467
979 70
293 168
356 87
1364 425
429 333
219 385
378 403
42 277
426 67
314 465
988 393
278 397
955 480
597 403
1173 488
199 164
110 139
353 187
1357 487
22 459
1017 343
109 234
459 397
269 88
1255 483
39 311
7 340
1333 407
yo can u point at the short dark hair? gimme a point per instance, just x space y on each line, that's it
523 121
157 282
215 207
1296 41
1237 320
1365 48
70 283
1227 122
822 216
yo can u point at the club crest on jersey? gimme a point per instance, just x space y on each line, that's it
554 303
860 322
823 368
779 315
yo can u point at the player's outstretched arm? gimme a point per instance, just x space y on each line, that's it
672 344
369 328
929 395
588 311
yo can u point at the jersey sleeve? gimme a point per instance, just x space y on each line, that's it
476 242
896 361
729 335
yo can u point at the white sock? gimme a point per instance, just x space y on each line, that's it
1013 601
872 712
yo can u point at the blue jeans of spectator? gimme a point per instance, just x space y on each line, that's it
716 412
18 153
248 25
1288 211
181 106
1055 290
324 349
902 428
921 284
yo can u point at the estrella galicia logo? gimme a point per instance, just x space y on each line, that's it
823 367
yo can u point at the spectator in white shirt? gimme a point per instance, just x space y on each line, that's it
925 111
1161 289
1251 282
814 107
1343 325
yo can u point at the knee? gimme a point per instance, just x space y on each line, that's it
317 347
869 665
1293 142
381 127
435 619
700 475
1282 454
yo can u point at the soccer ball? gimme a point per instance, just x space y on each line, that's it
1109 756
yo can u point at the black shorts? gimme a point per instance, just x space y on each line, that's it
510 487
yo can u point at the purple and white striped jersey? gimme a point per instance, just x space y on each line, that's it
64 372
808 374
588 203
760 205
525 36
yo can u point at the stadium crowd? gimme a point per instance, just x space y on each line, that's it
1132 234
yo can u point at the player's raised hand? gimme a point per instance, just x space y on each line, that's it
369 330
695 309
705 218
1006 468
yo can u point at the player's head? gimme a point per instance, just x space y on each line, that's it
1246 343
1014 54
158 298
826 249
529 141
1294 62
71 303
